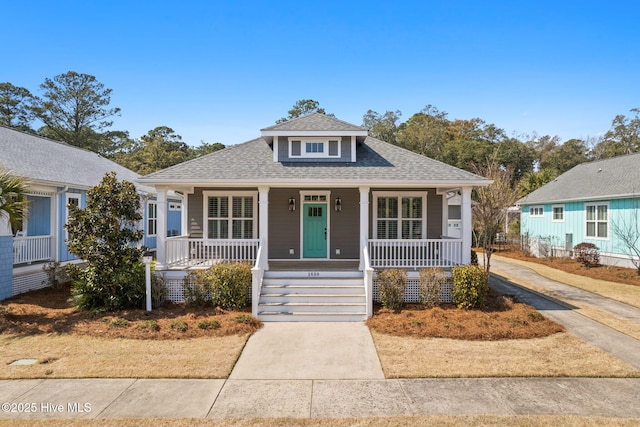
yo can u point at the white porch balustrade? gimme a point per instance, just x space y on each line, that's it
415 253
31 249
185 252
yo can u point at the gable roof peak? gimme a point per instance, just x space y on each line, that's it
314 123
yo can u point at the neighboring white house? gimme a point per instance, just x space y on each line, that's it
596 202
316 204
58 175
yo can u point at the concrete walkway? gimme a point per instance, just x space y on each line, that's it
616 343
311 350
332 370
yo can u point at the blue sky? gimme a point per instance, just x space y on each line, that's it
219 71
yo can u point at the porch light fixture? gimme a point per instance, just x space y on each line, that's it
338 205
292 204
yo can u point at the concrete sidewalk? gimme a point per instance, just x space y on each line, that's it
131 398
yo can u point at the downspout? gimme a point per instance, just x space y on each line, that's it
56 223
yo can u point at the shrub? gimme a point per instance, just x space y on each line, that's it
392 284
470 286
149 325
197 288
587 254
230 283
179 325
119 323
56 275
246 319
432 280
208 324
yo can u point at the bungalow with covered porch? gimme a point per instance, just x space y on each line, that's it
317 205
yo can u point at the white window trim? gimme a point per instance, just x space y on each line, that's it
532 215
149 203
229 194
553 207
323 140
69 196
596 204
400 195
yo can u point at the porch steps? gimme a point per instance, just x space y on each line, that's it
293 296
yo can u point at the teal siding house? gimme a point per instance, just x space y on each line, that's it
596 202
58 175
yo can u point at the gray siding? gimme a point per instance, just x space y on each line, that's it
284 226
283 152
345 225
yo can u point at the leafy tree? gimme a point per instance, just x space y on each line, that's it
75 109
427 133
160 148
302 108
14 107
623 137
384 127
513 154
490 204
105 236
13 200
531 180
542 145
561 158
206 148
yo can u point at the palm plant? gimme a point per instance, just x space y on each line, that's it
13 199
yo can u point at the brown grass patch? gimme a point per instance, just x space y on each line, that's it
502 318
47 311
558 355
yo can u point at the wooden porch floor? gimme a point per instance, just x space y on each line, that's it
306 265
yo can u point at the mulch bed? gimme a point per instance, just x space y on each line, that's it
48 311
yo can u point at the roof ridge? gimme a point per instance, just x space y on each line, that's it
306 116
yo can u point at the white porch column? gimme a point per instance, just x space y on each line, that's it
445 215
263 218
364 221
161 231
466 225
184 215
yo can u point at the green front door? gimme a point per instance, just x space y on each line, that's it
315 230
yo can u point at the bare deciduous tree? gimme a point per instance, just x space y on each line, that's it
627 230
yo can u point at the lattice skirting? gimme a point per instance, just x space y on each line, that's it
412 293
175 290
29 282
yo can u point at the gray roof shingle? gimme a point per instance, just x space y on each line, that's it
377 162
46 161
314 122
609 178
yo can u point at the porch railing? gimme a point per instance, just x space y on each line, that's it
31 249
415 253
183 251
257 274
368 278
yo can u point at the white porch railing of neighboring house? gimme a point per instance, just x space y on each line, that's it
257 274
185 252
31 249
368 278
415 253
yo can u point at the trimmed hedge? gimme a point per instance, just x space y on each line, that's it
470 286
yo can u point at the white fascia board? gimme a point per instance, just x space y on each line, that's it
314 133
580 199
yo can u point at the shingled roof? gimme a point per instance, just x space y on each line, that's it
378 163
617 177
56 163
315 122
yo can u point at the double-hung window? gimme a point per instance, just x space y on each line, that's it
597 220
400 216
314 147
557 213
152 219
230 216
